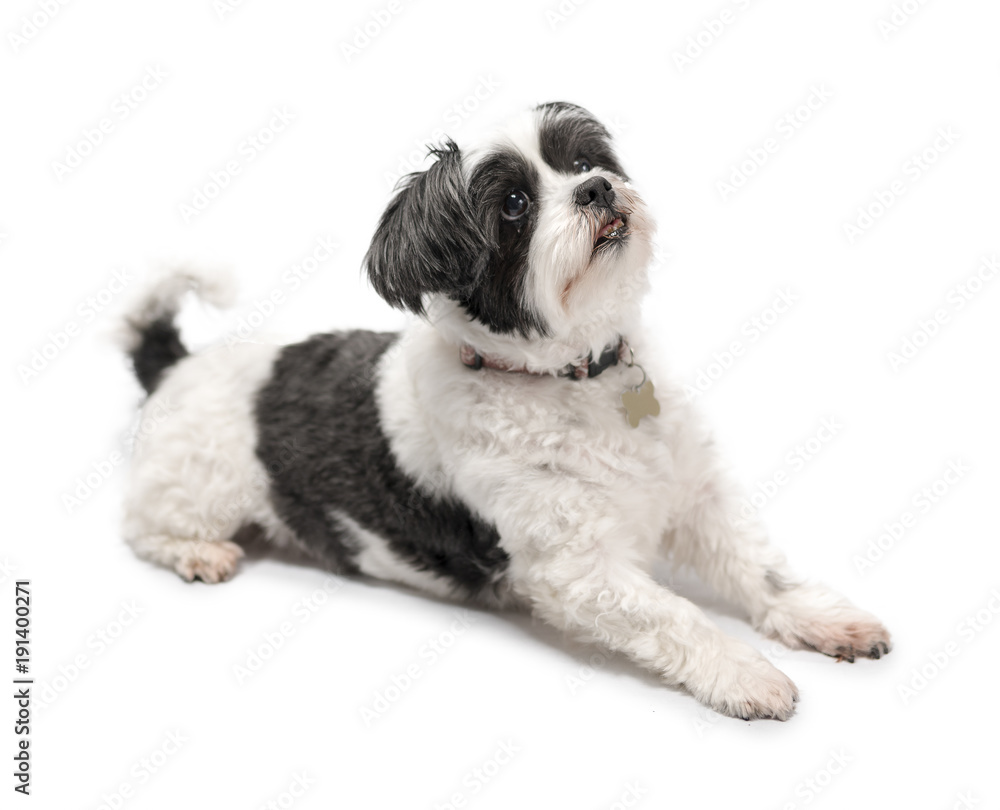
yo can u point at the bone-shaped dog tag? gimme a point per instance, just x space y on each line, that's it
640 402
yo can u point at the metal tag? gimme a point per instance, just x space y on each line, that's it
640 402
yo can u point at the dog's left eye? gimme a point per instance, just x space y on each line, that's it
582 165
516 205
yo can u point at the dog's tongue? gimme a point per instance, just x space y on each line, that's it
611 226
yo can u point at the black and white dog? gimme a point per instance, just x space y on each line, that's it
507 449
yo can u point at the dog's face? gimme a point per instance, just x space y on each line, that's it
535 234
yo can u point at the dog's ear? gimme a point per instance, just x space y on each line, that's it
430 238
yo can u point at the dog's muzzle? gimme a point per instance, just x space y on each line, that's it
597 197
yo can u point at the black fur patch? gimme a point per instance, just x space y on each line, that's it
568 132
499 298
320 439
159 348
429 238
443 233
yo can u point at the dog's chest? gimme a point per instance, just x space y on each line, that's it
579 428
449 423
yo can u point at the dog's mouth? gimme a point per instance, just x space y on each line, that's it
614 230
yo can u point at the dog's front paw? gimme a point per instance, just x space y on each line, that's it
817 619
744 684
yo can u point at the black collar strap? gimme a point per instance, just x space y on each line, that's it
586 368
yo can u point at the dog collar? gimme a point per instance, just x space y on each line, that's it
638 400
588 367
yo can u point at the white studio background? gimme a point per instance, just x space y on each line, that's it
860 233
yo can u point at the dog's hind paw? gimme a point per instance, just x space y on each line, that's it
209 561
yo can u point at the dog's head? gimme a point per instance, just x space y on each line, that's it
535 234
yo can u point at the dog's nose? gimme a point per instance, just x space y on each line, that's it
594 191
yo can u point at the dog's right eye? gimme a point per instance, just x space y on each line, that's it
516 205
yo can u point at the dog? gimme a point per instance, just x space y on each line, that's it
517 446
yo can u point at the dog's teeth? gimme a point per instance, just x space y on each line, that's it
616 230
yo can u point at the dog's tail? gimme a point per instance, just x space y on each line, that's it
148 333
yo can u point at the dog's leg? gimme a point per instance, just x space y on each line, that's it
195 479
175 518
732 554
588 587
185 503
209 561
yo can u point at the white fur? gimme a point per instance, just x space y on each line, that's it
195 477
162 297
